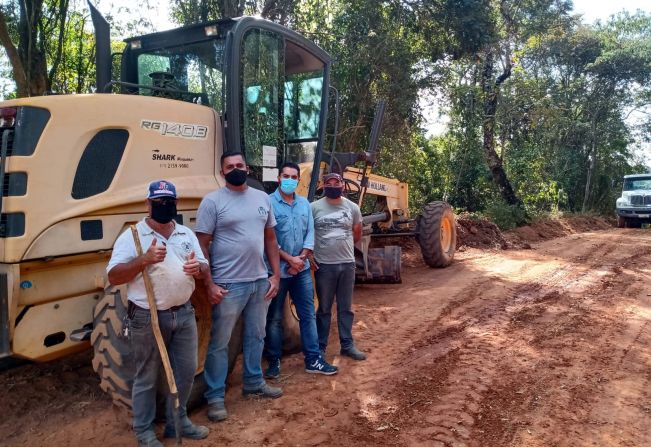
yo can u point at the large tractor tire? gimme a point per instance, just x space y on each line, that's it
437 234
291 328
621 222
112 360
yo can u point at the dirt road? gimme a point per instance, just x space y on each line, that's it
548 346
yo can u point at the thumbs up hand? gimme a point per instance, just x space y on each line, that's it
192 267
155 253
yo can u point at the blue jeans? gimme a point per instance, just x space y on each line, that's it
179 330
335 280
301 291
246 299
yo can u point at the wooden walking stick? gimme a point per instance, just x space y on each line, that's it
174 392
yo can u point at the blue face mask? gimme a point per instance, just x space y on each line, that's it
288 185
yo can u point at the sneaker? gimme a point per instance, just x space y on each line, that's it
273 370
320 366
190 432
265 390
353 353
217 412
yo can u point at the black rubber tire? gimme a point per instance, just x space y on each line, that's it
437 234
291 329
621 222
112 360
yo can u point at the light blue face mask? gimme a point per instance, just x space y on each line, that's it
288 185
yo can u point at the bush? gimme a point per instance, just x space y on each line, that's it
506 217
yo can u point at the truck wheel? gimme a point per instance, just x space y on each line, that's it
621 222
112 361
291 328
437 234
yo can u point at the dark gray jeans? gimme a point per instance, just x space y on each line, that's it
179 330
335 280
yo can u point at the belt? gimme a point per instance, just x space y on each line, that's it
133 306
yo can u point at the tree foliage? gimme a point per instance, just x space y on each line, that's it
538 104
558 124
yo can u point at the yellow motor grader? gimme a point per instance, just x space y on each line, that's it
74 170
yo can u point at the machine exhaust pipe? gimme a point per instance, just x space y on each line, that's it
102 49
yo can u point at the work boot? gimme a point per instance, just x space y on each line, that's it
265 390
190 432
273 370
353 353
217 412
150 442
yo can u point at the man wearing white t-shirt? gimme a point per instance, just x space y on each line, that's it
173 259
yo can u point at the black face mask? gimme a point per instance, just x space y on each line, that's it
332 192
236 177
163 212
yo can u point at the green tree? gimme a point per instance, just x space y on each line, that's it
566 111
49 44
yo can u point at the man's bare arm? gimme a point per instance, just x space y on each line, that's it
357 232
215 293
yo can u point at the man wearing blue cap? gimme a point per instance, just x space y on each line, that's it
173 260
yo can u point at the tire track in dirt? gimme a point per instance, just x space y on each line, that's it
494 351
471 366
560 332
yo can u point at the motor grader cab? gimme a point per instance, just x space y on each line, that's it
74 171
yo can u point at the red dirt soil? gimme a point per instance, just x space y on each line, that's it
547 346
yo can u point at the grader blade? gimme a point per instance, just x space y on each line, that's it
383 266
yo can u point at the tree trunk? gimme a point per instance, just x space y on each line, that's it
490 91
231 8
62 15
278 11
29 50
592 161
17 67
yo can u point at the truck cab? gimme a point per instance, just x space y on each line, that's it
634 205
268 84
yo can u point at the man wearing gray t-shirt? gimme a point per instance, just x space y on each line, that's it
337 226
235 228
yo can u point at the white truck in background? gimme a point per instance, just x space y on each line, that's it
634 205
